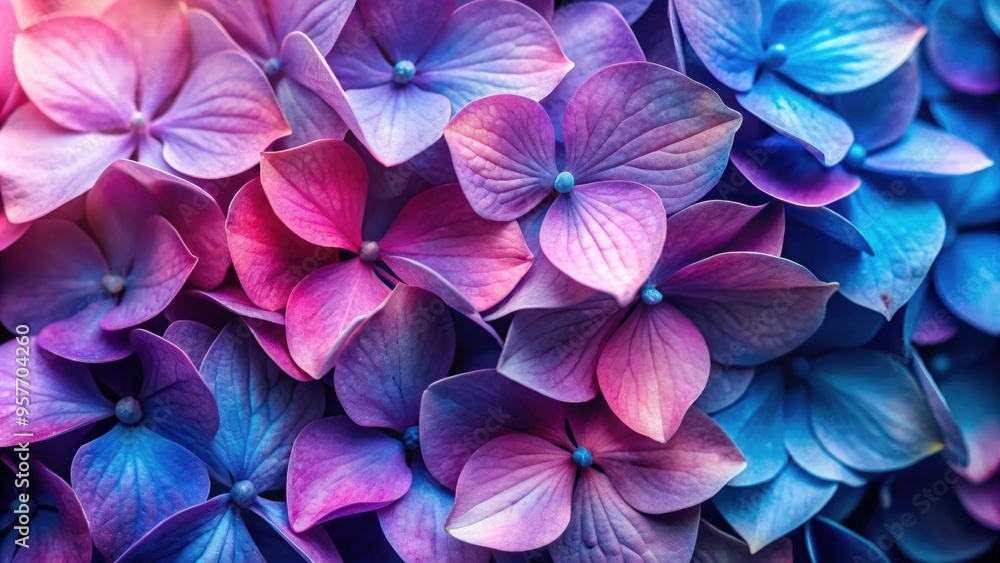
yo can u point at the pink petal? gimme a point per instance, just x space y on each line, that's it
10 232
318 191
482 259
644 123
555 352
338 468
320 319
224 115
514 494
606 236
605 528
157 35
160 268
653 368
269 258
90 80
34 186
750 307
493 47
503 148
246 20
713 227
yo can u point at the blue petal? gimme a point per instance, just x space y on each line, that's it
725 386
868 411
803 446
846 325
757 424
967 278
129 480
956 450
829 542
830 223
261 409
211 532
765 512
726 37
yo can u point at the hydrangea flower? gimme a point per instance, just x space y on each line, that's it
575 477
318 192
140 469
370 459
719 291
635 134
260 412
100 279
963 44
823 47
127 83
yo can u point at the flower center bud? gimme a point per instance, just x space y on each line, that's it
243 493
403 71
369 251
564 182
583 457
273 66
128 411
137 123
799 367
651 296
775 55
411 439
113 283
855 157
940 363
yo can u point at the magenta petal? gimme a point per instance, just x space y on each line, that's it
224 115
713 227
160 268
320 319
604 527
750 307
652 369
269 258
338 468
246 20
503 148
400 349
982 501
90 80
483 259
63 396
414 524
492 47
644 123
555 352
313 544
461 413
926 150
318 191
33 186
514 494
607 236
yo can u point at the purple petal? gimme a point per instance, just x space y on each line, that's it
716 546
268 257
397 123
192 337
400 349
799 116
116 209
414 524
652 369
339 468
555 352
514 494
160 267
356 58
246 20
404 31
311 118
492 47
925 150
33 186
63 395
750 307
606 236
604 527
645 123
726 37
961 48
207 34
725 386
318 19
504 154
461 413
318 191
320 321
313 544
80 337
593 35
91 80
129 480
224 115
981 501
880 114
483 259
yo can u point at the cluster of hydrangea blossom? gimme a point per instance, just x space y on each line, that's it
500 280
